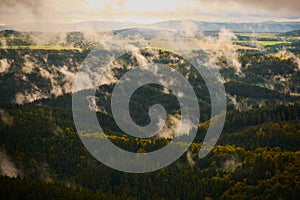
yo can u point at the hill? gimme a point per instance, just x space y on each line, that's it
96 26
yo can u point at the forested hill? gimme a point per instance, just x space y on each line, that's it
295 33
97 26
257 148
256 157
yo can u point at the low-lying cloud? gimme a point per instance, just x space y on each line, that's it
17 11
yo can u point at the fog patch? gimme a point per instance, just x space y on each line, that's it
4 66
173 127
241 105
28 97
28 65
6 118
93 103
231 163
190 159
7 167
284 54
222 52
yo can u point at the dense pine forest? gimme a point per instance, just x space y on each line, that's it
42 157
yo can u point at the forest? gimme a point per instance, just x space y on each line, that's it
42 157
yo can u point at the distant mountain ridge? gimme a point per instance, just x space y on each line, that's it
97 26
295 33
268 26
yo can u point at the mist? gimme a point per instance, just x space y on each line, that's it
222 49
4 66
7 167
6 118
231 163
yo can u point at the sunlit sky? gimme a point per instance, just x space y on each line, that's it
147 11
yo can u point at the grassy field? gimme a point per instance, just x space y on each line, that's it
271 43
32 47
262 43
256 35
191 44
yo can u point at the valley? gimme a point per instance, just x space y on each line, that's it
256 157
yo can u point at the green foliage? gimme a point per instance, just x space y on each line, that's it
257 155
47 135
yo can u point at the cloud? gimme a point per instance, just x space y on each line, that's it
32 5
18 11
274 6
266 7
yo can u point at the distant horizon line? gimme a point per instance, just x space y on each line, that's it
145 23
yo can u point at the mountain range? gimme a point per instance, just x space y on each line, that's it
268 26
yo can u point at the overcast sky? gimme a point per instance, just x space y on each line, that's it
147 11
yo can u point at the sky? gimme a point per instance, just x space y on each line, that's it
147 11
